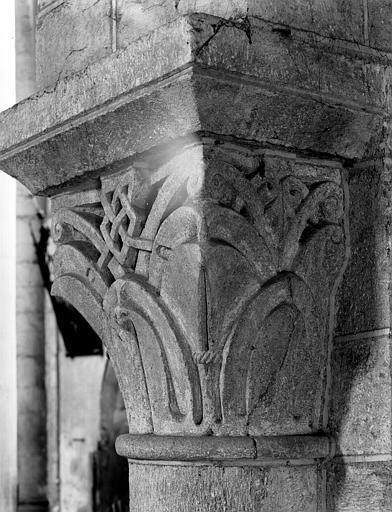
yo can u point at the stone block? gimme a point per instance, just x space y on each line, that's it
31 378
230 489
187 105
27 229
229 9
296 121
370 190
33 320
149 58
380 24
28 275
31 399
360 406
361 487
135 18
340 19
26 336
26 253
257 99
80 423
363 298
32 444
293 61
29 299
71 36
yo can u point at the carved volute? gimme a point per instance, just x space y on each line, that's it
210 275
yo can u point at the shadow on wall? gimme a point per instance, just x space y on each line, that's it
110 471
360 400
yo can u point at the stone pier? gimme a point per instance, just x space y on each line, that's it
220 182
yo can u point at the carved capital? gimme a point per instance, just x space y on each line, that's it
210 277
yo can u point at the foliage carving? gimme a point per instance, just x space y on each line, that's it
210 280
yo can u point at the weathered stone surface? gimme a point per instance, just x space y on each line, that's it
370 188
270 117
120 24
27 278
229 87
230 450
136 19
208 352
363 299
179 43
70 36
31 415
149 59
148 447
380 24
206 253
213 489
293 61
79 433
340 19
360 415
294 447
33 324
26 228
264 117
30 322
361 487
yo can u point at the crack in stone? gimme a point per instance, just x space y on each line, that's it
242 24
70 53
91 6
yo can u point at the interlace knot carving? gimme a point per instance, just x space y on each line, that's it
122 222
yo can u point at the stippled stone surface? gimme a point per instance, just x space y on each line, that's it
380 24
222 106
296 60
257 88
341 19
363 299
360 416
70 36
361 487
214 489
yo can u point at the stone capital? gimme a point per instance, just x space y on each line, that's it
209 273
198 184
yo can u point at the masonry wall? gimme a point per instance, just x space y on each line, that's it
360 392
85 31
30 326
80 381
58 397
360 415
348 92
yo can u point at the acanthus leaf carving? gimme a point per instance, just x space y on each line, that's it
214 278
